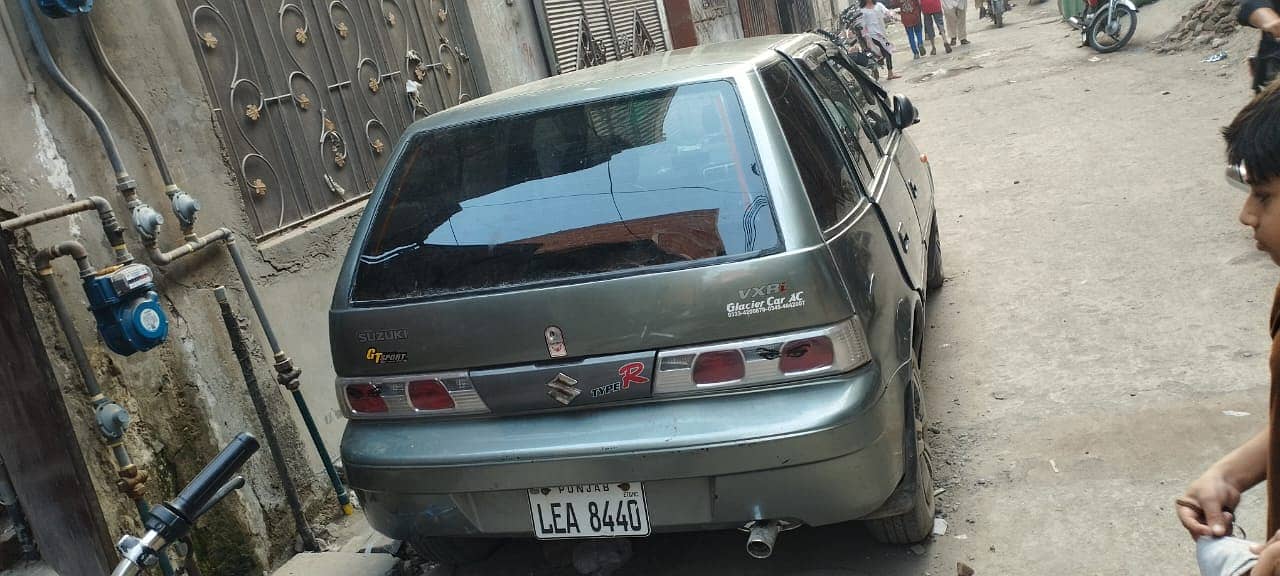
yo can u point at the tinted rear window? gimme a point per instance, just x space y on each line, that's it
659 178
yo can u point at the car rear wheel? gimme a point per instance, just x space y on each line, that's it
935 277
454 551
916 524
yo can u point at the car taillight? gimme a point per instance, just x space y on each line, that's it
366 398
762 360
719 367
409 396
806 355
429 395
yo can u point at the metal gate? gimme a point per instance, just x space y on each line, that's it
312 94
583 33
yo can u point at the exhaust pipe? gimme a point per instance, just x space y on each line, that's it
761 538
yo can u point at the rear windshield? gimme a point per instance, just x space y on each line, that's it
653 179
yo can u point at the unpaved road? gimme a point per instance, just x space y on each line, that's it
1103 309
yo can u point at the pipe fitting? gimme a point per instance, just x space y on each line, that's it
112 420
132 482
45 256
192 246
287 374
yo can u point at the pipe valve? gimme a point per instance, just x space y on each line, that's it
112 420
185 207
146 220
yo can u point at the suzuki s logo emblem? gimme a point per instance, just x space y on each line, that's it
563 389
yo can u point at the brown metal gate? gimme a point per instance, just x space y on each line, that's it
312 94
759 17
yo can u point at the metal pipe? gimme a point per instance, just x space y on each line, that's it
95 48
194 244
51 67
106 216
241 350
9 499
131 477
287 374
761 538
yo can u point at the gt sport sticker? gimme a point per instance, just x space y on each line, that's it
761 299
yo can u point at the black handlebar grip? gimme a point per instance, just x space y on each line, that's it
220 470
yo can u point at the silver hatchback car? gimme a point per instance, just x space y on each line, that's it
679 292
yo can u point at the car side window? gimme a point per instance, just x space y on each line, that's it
828 180
849 122
878 126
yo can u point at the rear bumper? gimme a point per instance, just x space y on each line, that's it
819 453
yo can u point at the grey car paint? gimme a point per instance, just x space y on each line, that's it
730 453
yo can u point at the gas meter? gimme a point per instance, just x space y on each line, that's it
127 307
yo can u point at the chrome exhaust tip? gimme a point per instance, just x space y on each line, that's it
761 538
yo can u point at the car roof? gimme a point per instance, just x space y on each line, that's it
667 68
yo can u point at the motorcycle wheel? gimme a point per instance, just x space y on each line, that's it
1111 34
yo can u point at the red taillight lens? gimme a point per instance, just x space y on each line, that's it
805 355
366 398
719 367
429 395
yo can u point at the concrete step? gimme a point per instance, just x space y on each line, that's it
338 564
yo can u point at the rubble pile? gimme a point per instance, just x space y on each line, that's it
1208 23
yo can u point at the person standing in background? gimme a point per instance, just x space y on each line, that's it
954 12
910 14
874 15
933 18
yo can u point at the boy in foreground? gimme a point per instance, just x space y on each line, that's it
1253 157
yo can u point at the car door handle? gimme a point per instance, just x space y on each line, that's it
904 239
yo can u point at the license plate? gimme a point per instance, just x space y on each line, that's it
589 511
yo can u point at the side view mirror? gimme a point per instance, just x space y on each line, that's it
904 112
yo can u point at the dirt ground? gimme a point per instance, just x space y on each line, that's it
1101 336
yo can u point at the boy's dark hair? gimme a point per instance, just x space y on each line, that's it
1254 136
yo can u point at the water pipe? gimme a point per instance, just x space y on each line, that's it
145 219
184 205
241 349
106 216
147 222
112 419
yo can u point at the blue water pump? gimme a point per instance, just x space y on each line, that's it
64 8
127 307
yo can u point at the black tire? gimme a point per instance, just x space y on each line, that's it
915 525
935 278
1123 14
455 551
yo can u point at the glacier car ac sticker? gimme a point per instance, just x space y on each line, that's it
766 298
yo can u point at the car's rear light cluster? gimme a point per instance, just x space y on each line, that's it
403 396
764 360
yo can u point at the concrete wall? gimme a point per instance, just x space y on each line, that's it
510 45
186 396
715 20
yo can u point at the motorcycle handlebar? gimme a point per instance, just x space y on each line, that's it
197 495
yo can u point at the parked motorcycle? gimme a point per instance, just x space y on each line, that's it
172 520
857 49
1106 25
